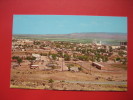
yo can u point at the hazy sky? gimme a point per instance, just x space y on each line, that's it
64 24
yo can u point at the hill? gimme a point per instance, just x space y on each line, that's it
77 37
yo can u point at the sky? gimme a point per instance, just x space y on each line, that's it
65 24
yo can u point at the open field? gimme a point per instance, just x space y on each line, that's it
99 80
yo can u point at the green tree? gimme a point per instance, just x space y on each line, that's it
83 58
19 60
54 56
79 68
118 59
66 57
36 43
110 49
30 58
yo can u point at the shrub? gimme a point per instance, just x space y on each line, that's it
19 60
51 81
67 57
79 68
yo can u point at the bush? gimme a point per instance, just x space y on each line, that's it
30 58
79 68
43 54
51 81
83 58
66 57
118 59
54 56
19 60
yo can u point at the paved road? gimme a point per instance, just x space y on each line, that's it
96 82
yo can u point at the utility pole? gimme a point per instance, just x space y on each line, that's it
90 70
62 64
62 59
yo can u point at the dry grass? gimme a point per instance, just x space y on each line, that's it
38 79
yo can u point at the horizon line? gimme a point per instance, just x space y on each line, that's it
71 33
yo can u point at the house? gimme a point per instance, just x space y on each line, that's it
34 66
74 69
115 47
38 56
97 65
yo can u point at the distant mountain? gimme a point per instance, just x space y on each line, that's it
116 36
84 35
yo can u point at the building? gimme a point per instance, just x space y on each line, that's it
34 66
98 43
123 43
115 47
97 65
38 56
74 69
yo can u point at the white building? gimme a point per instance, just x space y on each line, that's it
38 56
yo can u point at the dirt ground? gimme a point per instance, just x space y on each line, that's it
89 78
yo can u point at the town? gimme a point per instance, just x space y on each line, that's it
63 65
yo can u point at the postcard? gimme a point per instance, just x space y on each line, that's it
69 52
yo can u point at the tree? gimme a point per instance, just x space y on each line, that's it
66 57
83 58
110 49
19 60
30 58
36 43
43 54
83 51
104 58
51 83
118 59
54 56
79 68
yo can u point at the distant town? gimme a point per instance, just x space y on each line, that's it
64 65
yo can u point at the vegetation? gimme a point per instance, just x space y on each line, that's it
79 68
50 80
30 58
67 57
121 53
36 43
54 56
43 54
83 58
19 60
63 53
